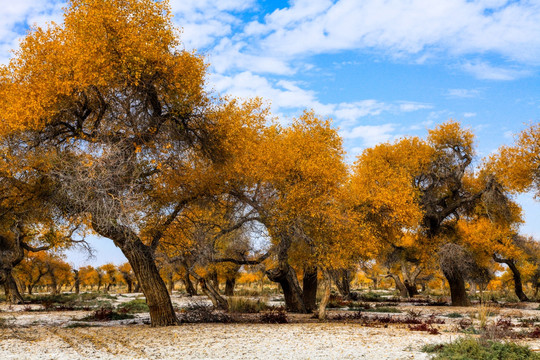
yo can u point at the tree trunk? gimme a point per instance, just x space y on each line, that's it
403 292
217 300
129 285
327 285
157 297
190 289
30 288
213 277
518 286
516 274
229 286
137 287
13 296
170 284
77 281
54 285
411 288
375 282
457 289
342 279
309 288
285 275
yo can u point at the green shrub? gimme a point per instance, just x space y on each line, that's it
133 307
473 349
454 315
239 304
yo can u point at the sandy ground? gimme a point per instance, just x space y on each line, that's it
45 335
216 341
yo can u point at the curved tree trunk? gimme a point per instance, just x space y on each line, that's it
516 274
157 297
217 300
141 259
309 288
403 292
285 275
190 289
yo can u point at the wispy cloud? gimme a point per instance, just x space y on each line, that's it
485 71
463 93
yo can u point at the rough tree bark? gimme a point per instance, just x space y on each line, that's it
217 300
326 287
458 293
309 288
342 280
455 264
230 283
516 274
286 277
403 292
13 296
190 289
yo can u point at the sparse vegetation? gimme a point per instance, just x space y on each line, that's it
474 349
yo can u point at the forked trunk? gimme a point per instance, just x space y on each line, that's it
403 292
309 288
285 275
457 289
157 297
13 296
411 288
217 300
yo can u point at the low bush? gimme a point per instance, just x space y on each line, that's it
238 304
473 349
133 307
106 314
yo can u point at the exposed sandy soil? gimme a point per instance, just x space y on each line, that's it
44 335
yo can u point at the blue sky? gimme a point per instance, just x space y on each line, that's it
380 69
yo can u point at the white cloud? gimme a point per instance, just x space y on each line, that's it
469 114
355 110
204 22
370 134
398 27
17 16
485 71
289 95
405 106
463 93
